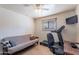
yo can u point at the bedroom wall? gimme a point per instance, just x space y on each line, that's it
14 24
77 12
69 33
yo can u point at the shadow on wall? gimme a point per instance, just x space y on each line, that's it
12 23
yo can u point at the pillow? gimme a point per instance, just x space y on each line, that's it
12 43
6 43
33 37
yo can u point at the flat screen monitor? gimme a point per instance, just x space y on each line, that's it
72 20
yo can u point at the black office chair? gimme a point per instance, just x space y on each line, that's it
56 47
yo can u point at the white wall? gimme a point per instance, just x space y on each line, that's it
77 12
12 23
69 33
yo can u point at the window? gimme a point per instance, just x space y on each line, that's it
50 24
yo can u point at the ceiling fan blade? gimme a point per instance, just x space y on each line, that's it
45 9
27 5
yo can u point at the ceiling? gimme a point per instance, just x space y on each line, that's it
38 11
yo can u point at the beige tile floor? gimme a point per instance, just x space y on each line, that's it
36 50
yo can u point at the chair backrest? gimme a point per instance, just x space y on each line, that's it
50 39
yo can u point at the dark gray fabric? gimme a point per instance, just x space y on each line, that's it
50 40
12 43
59 51
55 47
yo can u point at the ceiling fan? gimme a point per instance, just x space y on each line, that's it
41 6
38 6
